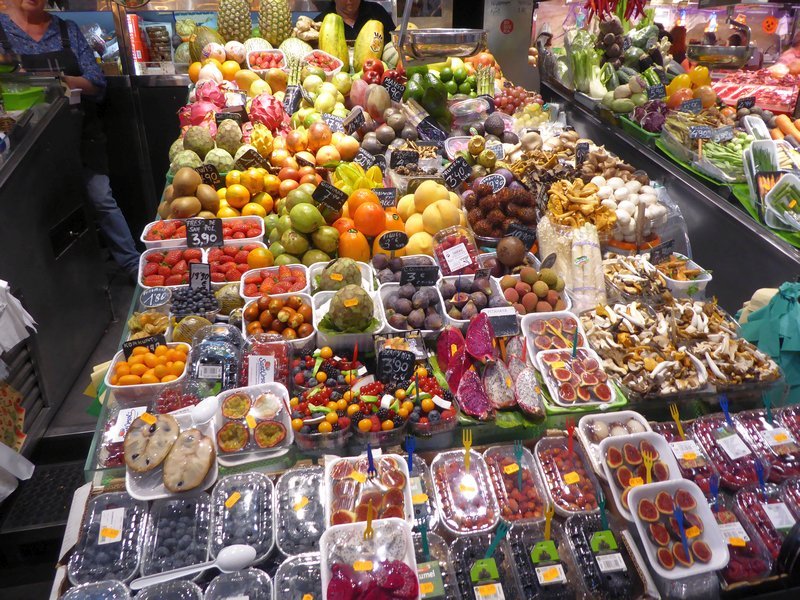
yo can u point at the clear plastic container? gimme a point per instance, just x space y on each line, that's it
111 538
593 429
548 331
791 491
606 572
422 494
251 281
624 466
252 584
789 417
103 590
733 458
171 590
546 569
265 358
316 269
119 418
348 558
652 507
466 501
215 359
568 478
455 251
299 510
749 560
242 513
253 422
178 396
143 391
466 551
464 283
298 344
771 440
177 534
517 504
349 490
435 571
694 288
692 460
768 514
298 578
577 380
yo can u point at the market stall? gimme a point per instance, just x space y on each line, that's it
406 329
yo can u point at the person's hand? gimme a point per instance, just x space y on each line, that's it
72 82
533 57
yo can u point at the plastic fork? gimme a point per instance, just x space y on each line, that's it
760 474
676 416
368 532
499 534
768 407
678 513
548 518
371 470
575 344
648 458
518 457
601 502
422 525
411 446
714 485
557 333
466 440
570 430
724 405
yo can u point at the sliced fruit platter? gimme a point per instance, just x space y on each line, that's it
625 465
749 559
593 429
767 510
692 460
284 279
350 490
776 443
171 233
575 380
677 550
328 63
568 479
551 331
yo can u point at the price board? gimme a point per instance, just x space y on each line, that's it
656 92
748 102
202 233
393 240
722 134
151 343
354 121
662 252
155 297
334 122
230 114
395 365
387 196
209 175
398 158
329 195
395 89
364 158
420 275
200 276
504 320
291 99
497 148
456 172
251 158
495 181
695 105
526 234
699 132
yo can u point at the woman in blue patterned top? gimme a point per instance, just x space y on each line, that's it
45 42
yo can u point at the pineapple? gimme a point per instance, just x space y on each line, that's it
275 21
234 20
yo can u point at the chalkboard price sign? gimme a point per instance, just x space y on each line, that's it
201 233
695 105
722 134
387 196
329 195
234 116
662 252
154 297
581 153
504 320
399 158
456 172
199 276
364 158
699 132
395 89
380 160
334 122
526 234
291 99
496 181
151 343
397 365
209 175
748 102
393 240
420 276
354 121
656 92
251 158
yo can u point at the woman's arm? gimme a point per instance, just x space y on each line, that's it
83 84
91 82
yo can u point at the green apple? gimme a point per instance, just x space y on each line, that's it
312 117
342 82
325 102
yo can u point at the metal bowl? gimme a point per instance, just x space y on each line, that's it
721 57
431 45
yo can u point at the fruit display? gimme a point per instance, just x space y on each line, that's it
692 460
338 273
410 307
145 367
678 530
147 323
465 296
515 261
177 534
789 417
749 559
532 292
299 577
347 311
467 551
166 233
569 483
732 457
241 513
167 268
107 552
545 566
300 513
291 317
230 262
766 510
193 301
575 377
389 270
455 251
772 441
265 358
274 280
552 331
517 495
492 213
253 420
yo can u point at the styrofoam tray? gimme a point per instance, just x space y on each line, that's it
551 382
346 341
146 253
592 449
390 289
150 485
316 269
755 126
711 533
252 452
271 270
661 446
299 343
142 391
527 320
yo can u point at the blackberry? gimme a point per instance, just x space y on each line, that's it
383 414
448 395
398 421
329 370
356 416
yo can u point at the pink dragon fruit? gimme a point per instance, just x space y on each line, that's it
267 110
458 364
480 339
208 91
449 341
514 347
197 113
472 398
498 385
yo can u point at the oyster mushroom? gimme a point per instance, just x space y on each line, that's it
189 461
147 444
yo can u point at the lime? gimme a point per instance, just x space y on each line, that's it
446 74
451 87
464 88
459 74
471 81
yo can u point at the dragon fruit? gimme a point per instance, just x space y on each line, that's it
515 367
472 397
499 385
268 110
208 91
515 346
199 113
480 339
458 364
449 341
526 394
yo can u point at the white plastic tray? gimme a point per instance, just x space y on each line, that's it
142 391
300 343
527 320
328 74
346 341
390 289
553 389
143 262
283 66
661 446
316 269
680 289
711 533
252 452
592 449
271 270
464 323
181 242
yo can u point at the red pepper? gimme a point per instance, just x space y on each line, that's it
372 64
371 77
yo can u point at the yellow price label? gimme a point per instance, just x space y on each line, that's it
301 504
358 476
251 421
148 418
337 276
689 456
109 532
351 302
487 591
792 204
781 437
362 565
692 532
571 477
559 364
511 469
635 481
735 541
307 597
466 488
425 588
232 500
419 498
550 574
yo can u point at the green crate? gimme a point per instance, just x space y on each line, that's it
23 100
635 130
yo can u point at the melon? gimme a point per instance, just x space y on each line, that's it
201 37
256 43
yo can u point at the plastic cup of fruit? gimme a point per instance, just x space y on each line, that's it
316 443
767 513
692 461
327 62
517 504
278 56
430 429
142 391
455 251
260 350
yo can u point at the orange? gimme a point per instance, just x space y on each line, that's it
264 200
271 184
353 244
221 194
252 180
325 427
253 209
229 69
286 186
151 360
122 368
237 195
359 197
212 61
161 350
149 378
177 368
160 370
260 257
136 359
232 177
226 212
370 218
194 71
393 220
364 425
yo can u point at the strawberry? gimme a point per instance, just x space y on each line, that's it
176 279
229 266
192 254
214 254
172 257
253 232
164 270
230 250
226 259
150 269
153 280
232 275
155 257
253 280
239 235
180 267
243 268
250 289
218 277
241 257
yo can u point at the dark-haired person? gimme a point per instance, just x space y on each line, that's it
44 42
355 14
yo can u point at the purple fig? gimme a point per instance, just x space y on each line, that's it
479 299
469 312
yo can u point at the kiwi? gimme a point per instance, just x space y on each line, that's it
164 209
511 251
185 182
208 197
169 194
185 207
